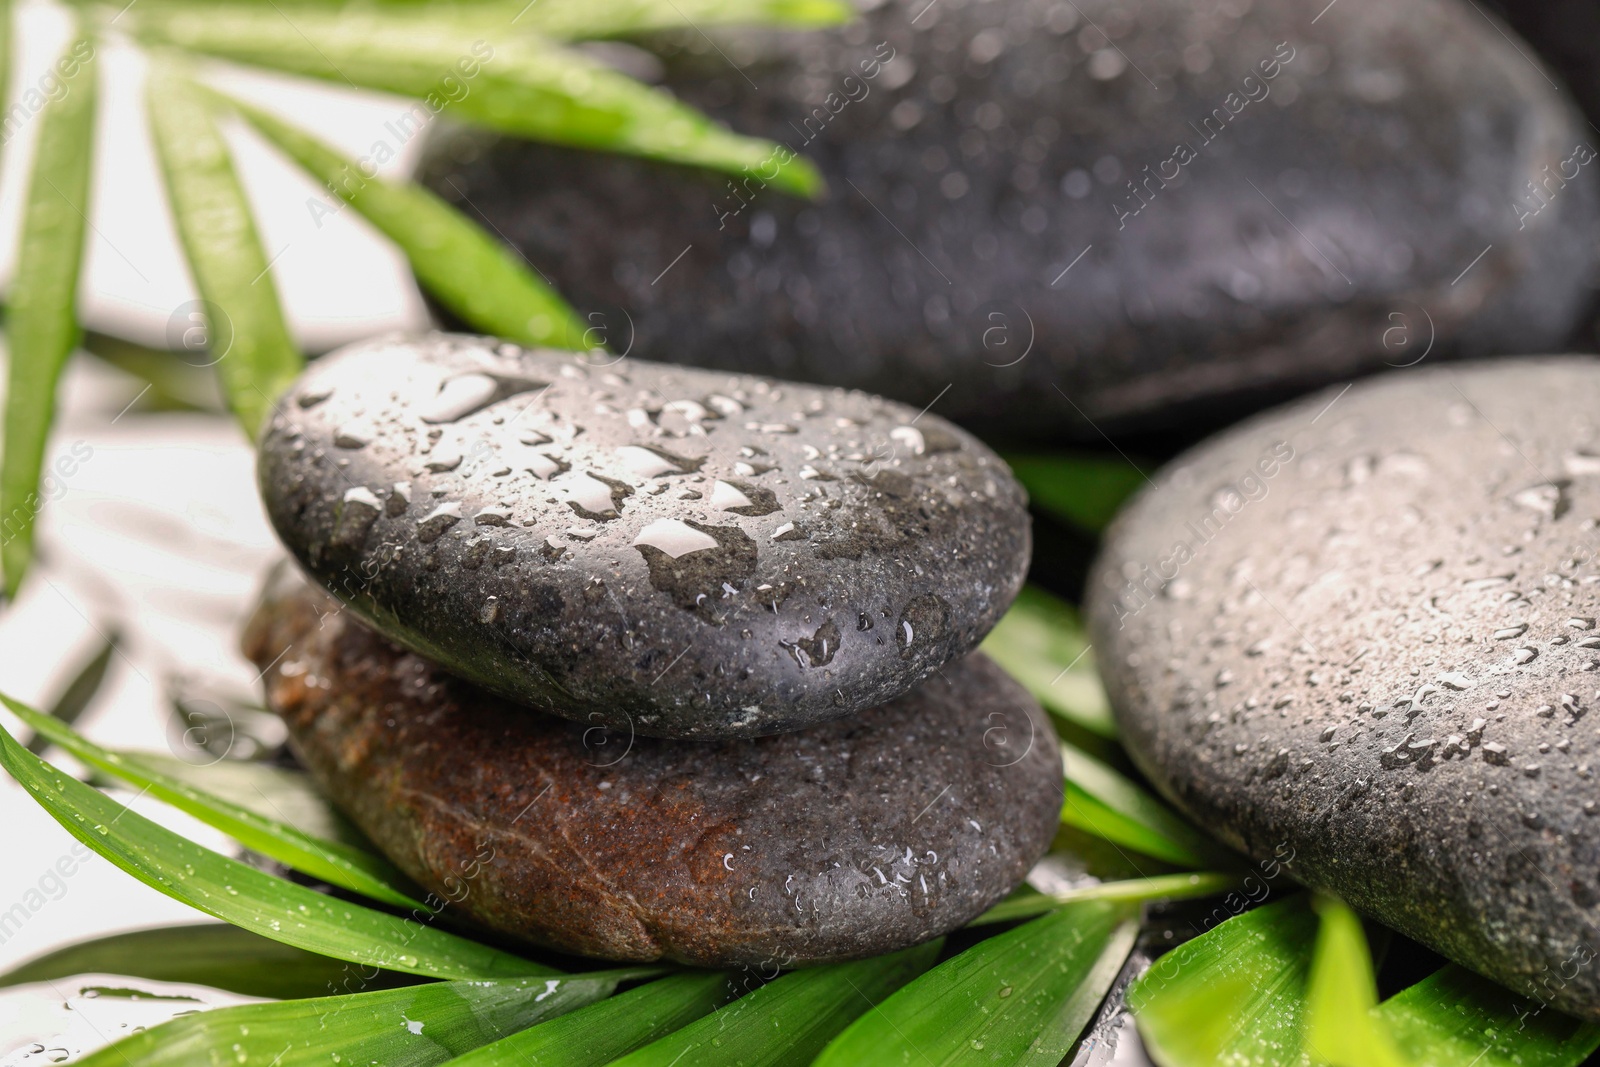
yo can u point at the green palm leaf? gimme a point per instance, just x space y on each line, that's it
1027 904
209 954
602 1032
333 862
1454 1017
470 272
1040 642
411 1027
1269 986
512 82
788 1020
1235 994
1108 805
234 892
1341 1028
42 327
1020 998
255 357
275 793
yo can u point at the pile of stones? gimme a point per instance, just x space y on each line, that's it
1359 630
642 662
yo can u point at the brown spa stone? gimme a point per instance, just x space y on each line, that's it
853 838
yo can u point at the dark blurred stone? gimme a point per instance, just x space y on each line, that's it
1362 630
850 839
679 552
1565 36
1368 205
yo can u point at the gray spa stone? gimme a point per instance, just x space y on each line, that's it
1217 203
1363 628
853 838
684 553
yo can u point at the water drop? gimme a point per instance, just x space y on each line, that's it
431 527
467 394
596 497
674 537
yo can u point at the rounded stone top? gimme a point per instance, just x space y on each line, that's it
688 553
1363 628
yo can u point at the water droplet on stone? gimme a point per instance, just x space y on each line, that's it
432 526
1548 499
351 437
674 537
467 394
595 496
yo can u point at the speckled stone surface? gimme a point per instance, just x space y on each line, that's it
854 838
981 231
677 552
1364 628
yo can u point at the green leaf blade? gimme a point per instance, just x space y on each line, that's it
41 326
412 1027
275 793
1233 995
1041 643
208 954
1085 489
616 18
517 83
1454 1017
790 1019
234 892
258 358
1341 992
600 1033
470 272
1162 887
1020 998
1103 802
332 861
80 691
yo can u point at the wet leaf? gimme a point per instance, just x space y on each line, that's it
1341 1029
469 271
790 1019
1233 995
276 793
1020 998
602 1032
1026 903
333 862
411 1027
247 339
209 954
514 82
41 323
1454 1017
234 892
1040 642
1104 803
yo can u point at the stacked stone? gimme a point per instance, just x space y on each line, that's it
643 662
